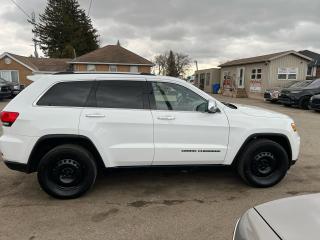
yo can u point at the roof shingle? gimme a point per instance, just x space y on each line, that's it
44 64
258 59
112 54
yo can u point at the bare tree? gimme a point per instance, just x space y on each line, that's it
161 62
182 63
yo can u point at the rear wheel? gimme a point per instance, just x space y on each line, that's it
67 171
263 163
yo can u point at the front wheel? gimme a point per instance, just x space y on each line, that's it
263 163
67 171
304 103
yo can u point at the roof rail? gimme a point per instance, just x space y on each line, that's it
130 73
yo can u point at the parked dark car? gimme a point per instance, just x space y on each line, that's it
9 89
315 103
300 96
272 94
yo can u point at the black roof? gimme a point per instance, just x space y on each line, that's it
315 56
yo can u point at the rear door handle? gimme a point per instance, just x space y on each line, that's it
95 115
166 118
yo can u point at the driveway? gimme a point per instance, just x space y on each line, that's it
154 203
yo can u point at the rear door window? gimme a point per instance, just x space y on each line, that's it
121 94
72 94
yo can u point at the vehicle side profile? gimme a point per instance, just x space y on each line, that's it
272 94
66 127
300 96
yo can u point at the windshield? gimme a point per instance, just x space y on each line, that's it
314 84
3 81
301 84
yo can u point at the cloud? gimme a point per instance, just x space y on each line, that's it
210 31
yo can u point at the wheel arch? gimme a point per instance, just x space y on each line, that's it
47 142
279 138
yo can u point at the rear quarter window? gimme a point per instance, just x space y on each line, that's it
73 94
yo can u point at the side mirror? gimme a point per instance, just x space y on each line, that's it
213 107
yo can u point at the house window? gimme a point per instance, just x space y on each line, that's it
91 67
113 68
134 69
256 74
207 79
287 73
10 75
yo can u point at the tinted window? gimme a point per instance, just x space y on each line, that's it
169 96
314 84
67 94
120 94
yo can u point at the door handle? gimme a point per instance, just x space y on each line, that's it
166 118
95 115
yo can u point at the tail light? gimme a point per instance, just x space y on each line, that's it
8 118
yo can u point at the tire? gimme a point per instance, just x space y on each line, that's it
287 105
263 163
67 171
304 103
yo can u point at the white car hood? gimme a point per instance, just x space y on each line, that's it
293 218
259 112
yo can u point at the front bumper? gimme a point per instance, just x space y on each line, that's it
5 94
21 167
287 100
314 106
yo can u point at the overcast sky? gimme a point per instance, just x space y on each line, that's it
209 31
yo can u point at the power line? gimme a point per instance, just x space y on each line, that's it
21 9
90 7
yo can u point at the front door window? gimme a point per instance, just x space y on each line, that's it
169 96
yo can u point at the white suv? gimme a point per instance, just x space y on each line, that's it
67 126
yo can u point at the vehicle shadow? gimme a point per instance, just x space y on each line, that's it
169 182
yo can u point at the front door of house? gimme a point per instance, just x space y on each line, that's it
240 77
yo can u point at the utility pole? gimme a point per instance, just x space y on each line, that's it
196 62
34 39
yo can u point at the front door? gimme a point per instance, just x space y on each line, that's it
240 77
184 133
119 121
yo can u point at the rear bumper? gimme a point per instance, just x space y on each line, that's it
21 167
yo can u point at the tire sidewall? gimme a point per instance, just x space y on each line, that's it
276 176
82 156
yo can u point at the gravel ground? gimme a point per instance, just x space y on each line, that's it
154 203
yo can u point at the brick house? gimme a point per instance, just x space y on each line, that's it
111 58
16 68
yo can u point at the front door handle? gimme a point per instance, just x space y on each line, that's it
166 118
95 115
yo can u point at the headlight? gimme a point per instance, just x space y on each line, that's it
16 87
294 92
294 127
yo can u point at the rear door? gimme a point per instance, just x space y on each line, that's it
119 120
